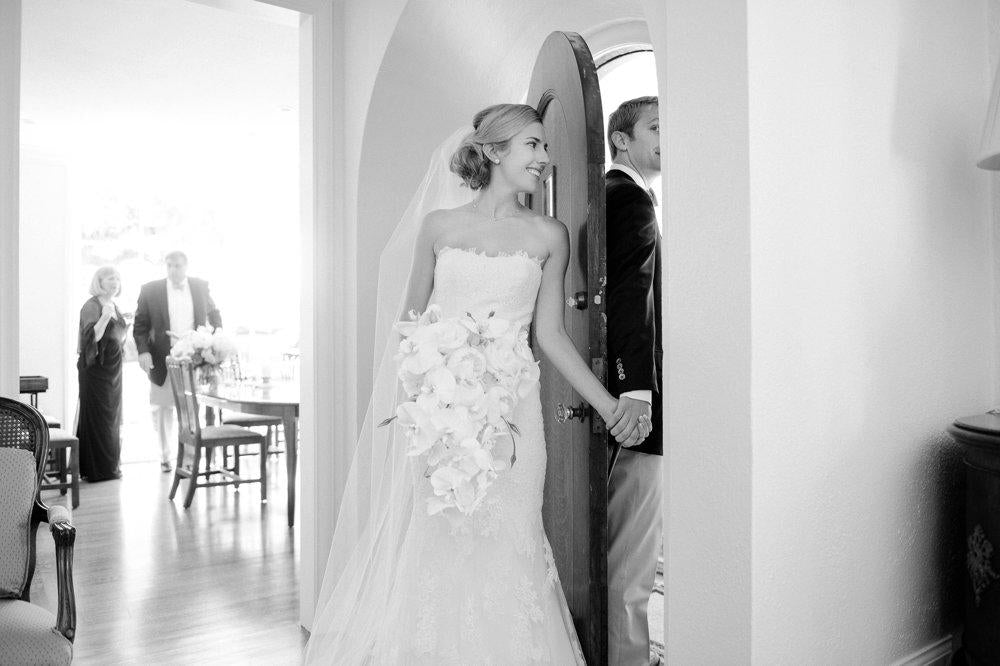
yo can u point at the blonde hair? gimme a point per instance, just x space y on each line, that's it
100 274
624 118
495 125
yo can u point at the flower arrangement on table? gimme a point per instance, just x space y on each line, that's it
463 377
206 348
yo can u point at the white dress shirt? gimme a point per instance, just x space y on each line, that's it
646 395
180 307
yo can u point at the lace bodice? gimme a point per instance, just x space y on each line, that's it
466 279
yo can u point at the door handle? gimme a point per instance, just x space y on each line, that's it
566 413
577 300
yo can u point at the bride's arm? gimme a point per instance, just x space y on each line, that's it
421 281
550 331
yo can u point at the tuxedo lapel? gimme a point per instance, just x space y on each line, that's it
164 304
618 173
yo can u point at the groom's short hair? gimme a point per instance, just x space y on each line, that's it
176 255
624 118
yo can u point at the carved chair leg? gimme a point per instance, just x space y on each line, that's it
74 469
177 470
62 467
193 478
236 463
263 471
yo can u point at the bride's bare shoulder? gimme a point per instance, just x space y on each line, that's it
552 231
441 224
442 218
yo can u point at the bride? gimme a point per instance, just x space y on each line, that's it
406 587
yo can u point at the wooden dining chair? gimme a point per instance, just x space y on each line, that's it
271 423
202 442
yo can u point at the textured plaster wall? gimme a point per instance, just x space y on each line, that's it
702 64
873 327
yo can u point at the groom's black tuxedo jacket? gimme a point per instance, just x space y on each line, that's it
635 353
152 321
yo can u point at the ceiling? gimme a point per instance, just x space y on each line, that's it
163 75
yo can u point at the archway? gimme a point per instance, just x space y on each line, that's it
702 84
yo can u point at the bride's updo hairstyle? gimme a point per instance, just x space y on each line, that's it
494 125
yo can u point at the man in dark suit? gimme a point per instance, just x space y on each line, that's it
174 305
636 356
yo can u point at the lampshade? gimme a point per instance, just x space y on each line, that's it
989 155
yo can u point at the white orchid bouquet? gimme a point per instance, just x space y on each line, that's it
203 347
463 377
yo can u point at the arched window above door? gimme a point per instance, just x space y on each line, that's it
626 64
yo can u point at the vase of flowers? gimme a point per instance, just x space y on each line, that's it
205 348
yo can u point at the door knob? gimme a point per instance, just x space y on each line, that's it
577 300
568 413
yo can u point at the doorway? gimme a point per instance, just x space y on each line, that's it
175 127
628 71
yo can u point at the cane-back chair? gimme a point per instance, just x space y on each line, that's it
29 634
196 444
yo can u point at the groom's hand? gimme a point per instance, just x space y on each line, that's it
628 426
146 362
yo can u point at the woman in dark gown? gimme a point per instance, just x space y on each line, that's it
102 336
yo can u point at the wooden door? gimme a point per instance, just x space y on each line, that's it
565 90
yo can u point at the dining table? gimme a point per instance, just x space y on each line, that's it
276 398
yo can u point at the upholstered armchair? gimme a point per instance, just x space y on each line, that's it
29 634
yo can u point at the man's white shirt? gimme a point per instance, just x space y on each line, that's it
180 307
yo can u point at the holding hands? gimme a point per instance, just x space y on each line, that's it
631 422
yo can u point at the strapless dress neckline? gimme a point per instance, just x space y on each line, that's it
519 254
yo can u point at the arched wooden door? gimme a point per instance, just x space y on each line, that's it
565 89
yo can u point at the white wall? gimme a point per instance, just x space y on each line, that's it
47 339
872 319
10 124
701 62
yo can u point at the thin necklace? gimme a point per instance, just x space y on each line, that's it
493 218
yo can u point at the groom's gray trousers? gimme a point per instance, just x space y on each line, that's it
634 544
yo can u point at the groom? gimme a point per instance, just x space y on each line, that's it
176 304
636 356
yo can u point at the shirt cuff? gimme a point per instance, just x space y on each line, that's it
644 395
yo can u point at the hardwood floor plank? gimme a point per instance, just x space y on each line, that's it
158 584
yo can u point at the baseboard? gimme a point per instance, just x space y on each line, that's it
937 653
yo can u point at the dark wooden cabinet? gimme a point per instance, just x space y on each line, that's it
980 439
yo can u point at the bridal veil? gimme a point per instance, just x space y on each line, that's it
377 502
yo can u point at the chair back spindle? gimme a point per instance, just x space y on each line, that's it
181 377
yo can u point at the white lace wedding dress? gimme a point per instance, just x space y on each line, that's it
484 591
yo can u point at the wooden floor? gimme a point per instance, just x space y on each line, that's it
155 584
